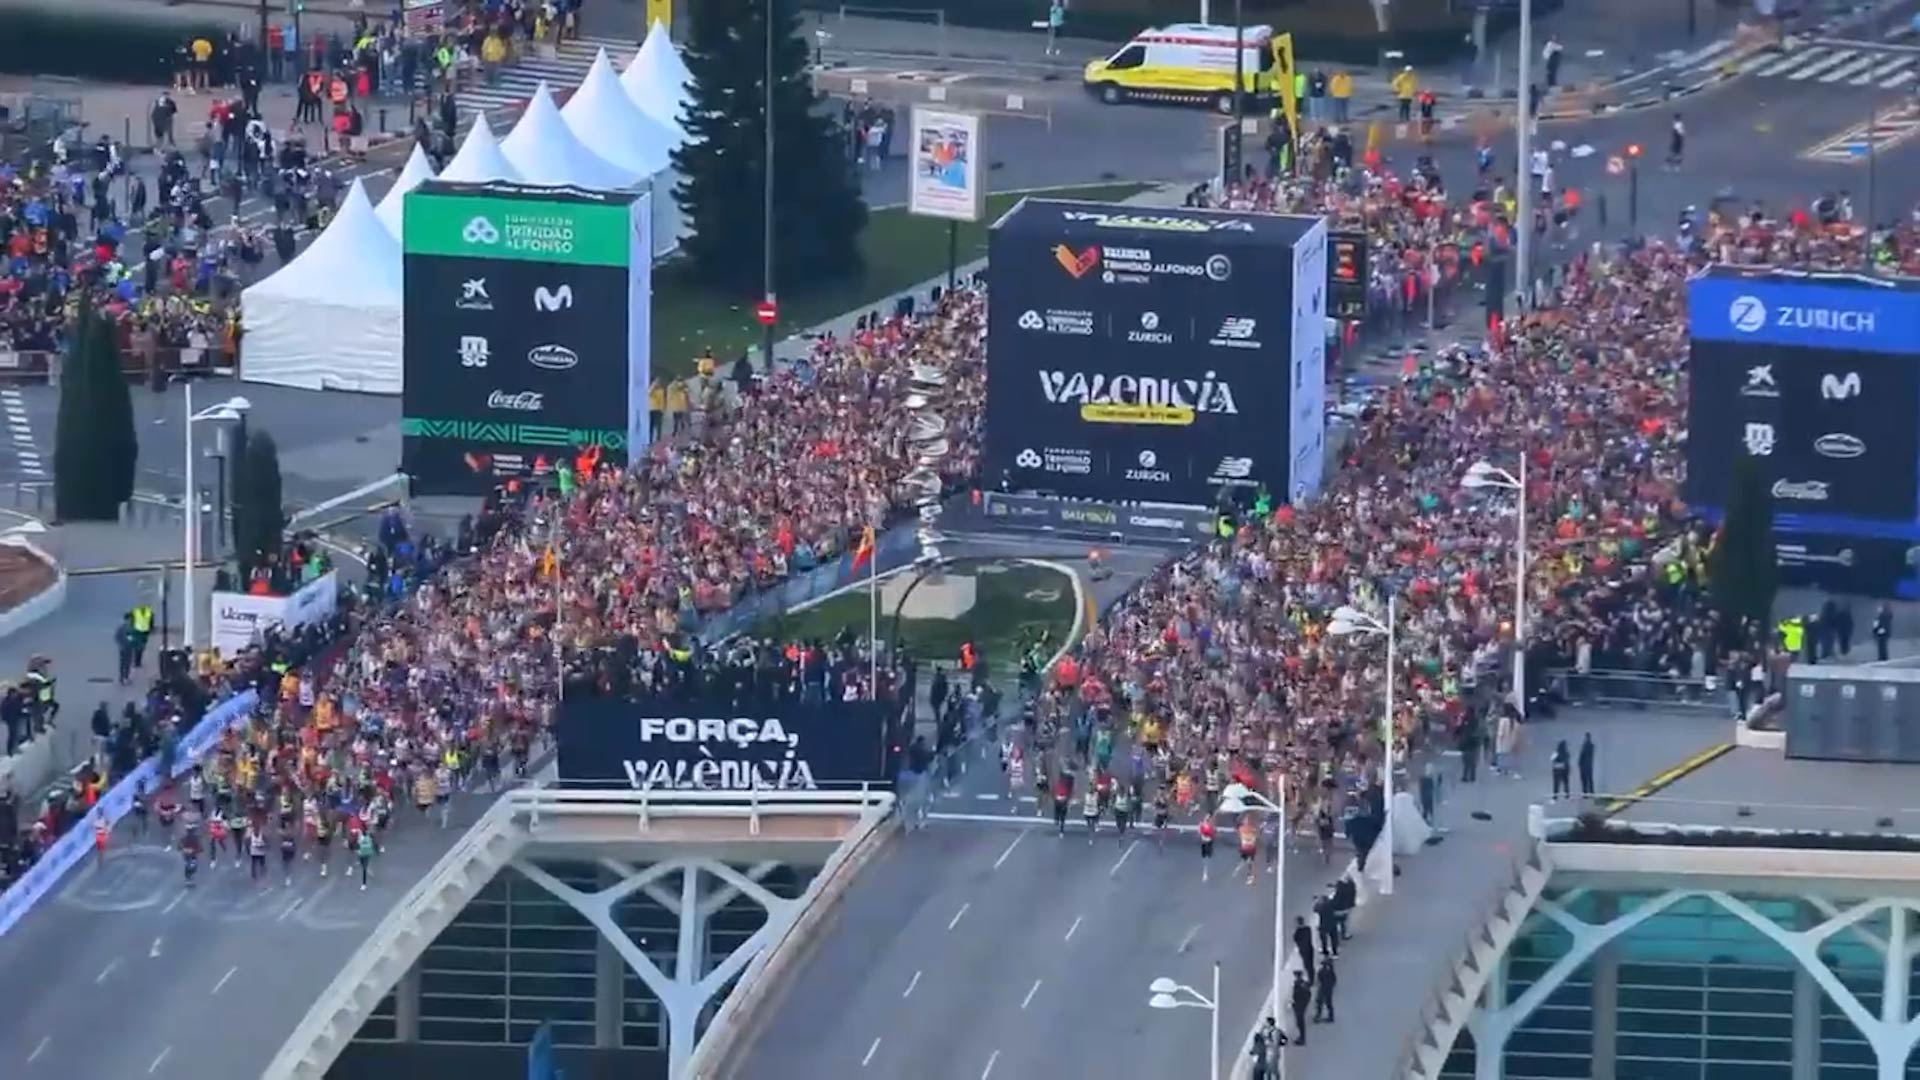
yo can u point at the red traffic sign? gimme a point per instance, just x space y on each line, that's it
767 312
1616 164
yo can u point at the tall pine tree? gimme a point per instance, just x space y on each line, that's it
1742 574
817 211
95 447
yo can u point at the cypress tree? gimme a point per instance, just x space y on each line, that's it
259 518
85 484
1742 572
817 211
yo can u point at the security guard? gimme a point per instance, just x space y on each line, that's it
142 615
1792 631
39 684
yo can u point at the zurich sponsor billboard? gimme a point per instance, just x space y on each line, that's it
707 743
1151 356
526 340
1815 380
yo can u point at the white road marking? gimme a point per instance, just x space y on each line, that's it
870 1052
155 951
911 983
987 796
1188 940
957 916
1791 60
1848 71
1071 929
106 971
1830 62
1123 858
155 1067
1028 1000
174 904
1898 79
1009 851
290 908
41 1049
1882 71
224 978
988 1071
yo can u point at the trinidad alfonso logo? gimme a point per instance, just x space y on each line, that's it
1077 264
480 231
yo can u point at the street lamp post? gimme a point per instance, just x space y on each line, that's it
1235 800
1485 475
231 409
766 197
1168 994
1351 620
1523 168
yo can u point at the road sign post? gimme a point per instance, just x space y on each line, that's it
766 312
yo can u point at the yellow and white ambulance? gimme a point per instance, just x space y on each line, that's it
1190 63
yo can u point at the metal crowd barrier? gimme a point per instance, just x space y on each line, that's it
37 365
1635 689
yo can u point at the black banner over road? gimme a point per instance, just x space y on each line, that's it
663 744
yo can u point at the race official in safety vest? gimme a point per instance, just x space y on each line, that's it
142 618
1792 631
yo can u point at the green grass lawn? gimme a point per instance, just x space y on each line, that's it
901 250
1013 597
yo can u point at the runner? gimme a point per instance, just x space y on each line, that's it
1160 817
190 855
1249 847
323 840
288 845
1206 847
1062 795
1122 810
365 852
101 830
237 821
197 791
1091 809
443 788
257 857
140 810
217 838
1323 826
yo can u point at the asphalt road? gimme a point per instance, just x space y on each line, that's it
195 982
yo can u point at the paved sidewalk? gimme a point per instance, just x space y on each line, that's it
1404 946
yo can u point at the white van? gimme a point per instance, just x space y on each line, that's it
1190 63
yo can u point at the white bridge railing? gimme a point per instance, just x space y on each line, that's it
491 843
536 805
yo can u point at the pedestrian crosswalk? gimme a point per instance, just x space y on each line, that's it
562 72
1840 63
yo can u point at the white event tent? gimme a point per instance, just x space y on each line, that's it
479 158
331 318
392 205
658 81
544 150
606 120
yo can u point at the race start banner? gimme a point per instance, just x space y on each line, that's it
1155 356
527 330
708 744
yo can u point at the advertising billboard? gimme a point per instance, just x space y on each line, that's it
946 180
1155 355
709 744
1815 379
527 330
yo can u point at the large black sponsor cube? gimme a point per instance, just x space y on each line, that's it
1815 379
1155 355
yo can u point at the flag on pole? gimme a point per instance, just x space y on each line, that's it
864 552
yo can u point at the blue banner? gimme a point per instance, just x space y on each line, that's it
1854 314
68 851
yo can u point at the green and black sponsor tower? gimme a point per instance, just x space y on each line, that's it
526 330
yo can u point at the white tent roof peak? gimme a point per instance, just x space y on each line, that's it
658 81
412 175
544 150
605 119
480 158
354 261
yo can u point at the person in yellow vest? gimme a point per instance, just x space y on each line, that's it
656 404
493 53
1340 89
202 63
142 618
1405 85
676 404
1792 634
